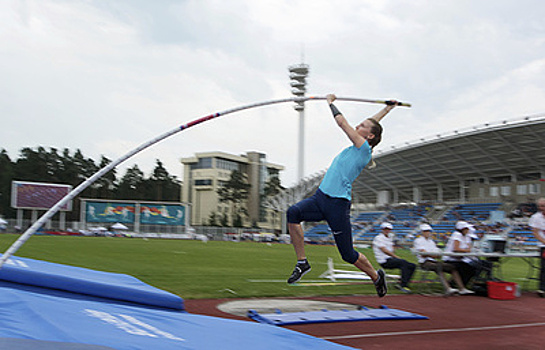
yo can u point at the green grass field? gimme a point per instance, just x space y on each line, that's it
194 269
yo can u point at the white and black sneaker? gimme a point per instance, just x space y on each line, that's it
380 284
299 271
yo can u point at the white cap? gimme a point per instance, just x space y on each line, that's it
460 225
386 225
425 227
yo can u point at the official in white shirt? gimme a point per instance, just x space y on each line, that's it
460 242
425 244
537 223
383 248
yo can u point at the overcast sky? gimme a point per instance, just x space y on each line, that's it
106 76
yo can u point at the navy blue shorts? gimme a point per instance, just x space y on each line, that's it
336 212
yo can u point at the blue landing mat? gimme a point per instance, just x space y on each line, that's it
325 316
59 312
89 282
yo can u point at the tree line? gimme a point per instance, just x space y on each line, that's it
235 191
72 168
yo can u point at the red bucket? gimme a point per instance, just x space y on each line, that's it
502 290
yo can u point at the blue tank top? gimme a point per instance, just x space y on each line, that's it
344 170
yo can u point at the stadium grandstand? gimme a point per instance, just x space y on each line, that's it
489 175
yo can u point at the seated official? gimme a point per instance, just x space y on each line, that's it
460 242
425 244
483 267
383 248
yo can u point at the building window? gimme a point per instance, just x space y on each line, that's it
506 190
522 190
227 164
494 191
534 189
203 163
206 182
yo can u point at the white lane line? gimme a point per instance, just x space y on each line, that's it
284 281
371 335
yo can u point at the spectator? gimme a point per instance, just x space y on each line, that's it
460 242
383 248
537 222
425 244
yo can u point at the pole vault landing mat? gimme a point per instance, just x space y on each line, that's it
49 306
325 316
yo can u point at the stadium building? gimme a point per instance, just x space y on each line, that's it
492 162
495 167
206 172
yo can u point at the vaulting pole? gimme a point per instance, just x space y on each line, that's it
53 210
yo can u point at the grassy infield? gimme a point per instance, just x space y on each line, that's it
193 269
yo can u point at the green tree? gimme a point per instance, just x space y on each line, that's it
213 219
272 188
85 168
32 165
164 186
131 184
105 185
68 170
6 177
235 191
224 221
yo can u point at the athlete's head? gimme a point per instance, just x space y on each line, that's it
371 130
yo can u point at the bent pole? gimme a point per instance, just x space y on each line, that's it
53 210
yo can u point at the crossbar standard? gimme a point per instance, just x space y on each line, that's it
334 274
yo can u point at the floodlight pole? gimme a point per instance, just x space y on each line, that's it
298 76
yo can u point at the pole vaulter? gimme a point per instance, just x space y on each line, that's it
53 210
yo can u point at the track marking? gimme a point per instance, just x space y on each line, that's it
284 281
309 282
447 330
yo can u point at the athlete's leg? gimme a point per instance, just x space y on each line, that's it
338 218
343 238
305 210
297 240
365 266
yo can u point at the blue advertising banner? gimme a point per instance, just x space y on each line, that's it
159 214
110 212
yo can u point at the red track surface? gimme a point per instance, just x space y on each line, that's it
468 322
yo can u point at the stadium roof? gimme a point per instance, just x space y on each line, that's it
502 151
